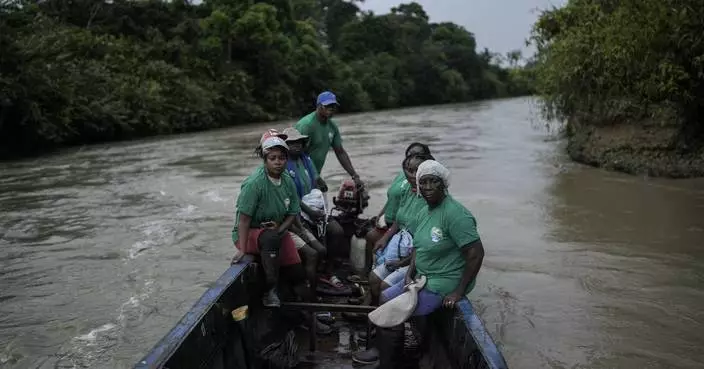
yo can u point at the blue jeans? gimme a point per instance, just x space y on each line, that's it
398 247
427 301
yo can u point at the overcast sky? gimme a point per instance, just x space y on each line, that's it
500 25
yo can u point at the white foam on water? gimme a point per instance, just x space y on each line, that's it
155 234
214 196
84 350
134 302
92 336
188 210
137 248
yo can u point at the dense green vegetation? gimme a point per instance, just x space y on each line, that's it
85 71
639 62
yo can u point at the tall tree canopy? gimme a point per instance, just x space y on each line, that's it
84 71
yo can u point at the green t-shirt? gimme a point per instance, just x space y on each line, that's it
264 200
438 238
321 137
300 173
410 206
393 197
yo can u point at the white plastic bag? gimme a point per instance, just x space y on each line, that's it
316 201
397 310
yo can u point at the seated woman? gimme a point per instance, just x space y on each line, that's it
266 207
393 249
306 178
447 250
393 197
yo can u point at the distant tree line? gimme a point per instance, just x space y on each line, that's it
82 71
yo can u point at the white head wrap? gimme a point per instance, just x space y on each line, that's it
433 168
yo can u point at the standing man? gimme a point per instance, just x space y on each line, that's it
323 133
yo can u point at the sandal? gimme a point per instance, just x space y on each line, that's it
333 286
357 279
332 281
326 289
325 318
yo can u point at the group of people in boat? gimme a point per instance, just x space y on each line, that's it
273 220
424 232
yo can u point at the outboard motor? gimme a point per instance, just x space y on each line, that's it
350 200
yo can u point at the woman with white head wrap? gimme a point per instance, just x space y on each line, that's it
433 168
394 250
447 251
387 215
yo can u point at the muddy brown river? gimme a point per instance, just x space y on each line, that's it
104 248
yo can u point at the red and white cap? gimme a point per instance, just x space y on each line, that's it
272 138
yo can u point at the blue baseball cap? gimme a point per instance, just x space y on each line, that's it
327 98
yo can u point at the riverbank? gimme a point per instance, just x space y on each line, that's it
641 149
631 73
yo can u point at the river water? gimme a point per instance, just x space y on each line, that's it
104 248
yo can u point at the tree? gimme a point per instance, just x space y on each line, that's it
514 57
604 62
85 71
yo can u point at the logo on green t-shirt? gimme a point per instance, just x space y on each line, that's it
287 202
435 234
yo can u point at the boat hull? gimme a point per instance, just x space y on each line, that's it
207 336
